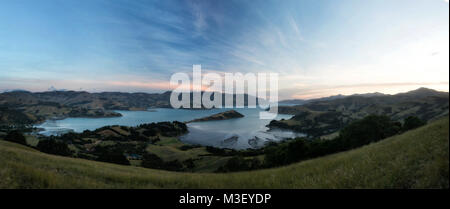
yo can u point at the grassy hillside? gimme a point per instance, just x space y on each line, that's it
415 159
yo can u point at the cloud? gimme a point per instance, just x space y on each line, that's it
200 22
312 46
296 29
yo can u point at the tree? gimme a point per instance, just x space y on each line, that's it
16 137
275 155
369 129
113 157
52 146
412 122
297 150
150 132
285 153
239 163
152 161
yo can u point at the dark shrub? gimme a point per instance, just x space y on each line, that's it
152 161
135 136
154 140
188 147
234 164
216 151
412 122
150 132
165 128
174 165
55 147
221 151
239 163
181 126
16 137
285 153
370 129
189 163
275 155
113 157
297 150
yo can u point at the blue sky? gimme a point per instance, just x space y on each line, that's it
319 47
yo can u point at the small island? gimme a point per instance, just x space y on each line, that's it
219 116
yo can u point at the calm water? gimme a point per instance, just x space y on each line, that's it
239 133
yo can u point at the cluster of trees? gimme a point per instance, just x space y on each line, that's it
113 156
50 146
175 128
188 147
220 151
412 122
115 153
55 147
16 137
240 163
150 160
370 129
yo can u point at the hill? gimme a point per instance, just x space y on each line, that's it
306 101
339 96
320 118
37 107
230 114
23 107
415 159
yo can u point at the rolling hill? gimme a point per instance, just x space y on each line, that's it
415 159
24 108
39 106
324 117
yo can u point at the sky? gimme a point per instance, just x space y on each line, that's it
318 47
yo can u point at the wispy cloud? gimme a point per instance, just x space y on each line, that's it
199 21
296 28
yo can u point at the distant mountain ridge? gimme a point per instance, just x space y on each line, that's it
21 107
305 101
339 96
